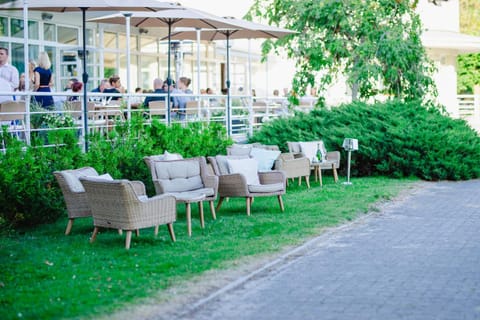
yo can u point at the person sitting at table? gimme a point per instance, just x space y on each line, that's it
180 97
158 89
136 101
115 87
76 88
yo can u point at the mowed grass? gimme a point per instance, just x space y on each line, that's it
47 275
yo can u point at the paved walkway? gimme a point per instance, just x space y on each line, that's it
417 259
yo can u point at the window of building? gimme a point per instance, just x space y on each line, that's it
49 32
148 44
17 55
122 42
148 70
67 35
16 27
109 40
3 27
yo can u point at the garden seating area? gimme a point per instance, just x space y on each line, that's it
247 171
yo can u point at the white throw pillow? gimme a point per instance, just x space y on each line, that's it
266 158
246 167
171 156
309 149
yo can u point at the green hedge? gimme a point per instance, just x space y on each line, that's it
29 193
396 139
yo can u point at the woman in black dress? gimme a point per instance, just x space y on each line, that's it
44 81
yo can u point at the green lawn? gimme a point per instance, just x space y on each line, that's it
47 275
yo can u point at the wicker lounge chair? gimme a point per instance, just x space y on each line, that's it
124 205
74 193
188 180
271 183
294 166
331 161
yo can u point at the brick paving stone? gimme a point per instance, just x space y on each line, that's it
417 259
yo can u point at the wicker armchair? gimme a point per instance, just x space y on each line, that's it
187 180
74 193
271 183
331 161
294 166
124 205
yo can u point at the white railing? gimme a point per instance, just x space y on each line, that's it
469 109
247 114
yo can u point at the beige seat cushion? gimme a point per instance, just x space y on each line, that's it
207 192
264 188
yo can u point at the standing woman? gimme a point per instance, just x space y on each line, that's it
44 81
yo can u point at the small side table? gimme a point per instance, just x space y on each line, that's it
188 200
317 170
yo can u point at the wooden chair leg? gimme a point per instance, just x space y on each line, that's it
202 218
320 177
280 201
189 218
335 175
286 182
249 202
137 232
94 235
307 179
300 181
69 226
156 231
212 210
219 204
120 232
171 232
128 239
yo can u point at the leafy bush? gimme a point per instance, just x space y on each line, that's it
396 139
29 193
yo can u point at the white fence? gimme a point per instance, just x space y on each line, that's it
24 119
469 109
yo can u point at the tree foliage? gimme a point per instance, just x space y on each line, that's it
375 44
469 64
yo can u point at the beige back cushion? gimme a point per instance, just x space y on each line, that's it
72 177
222 162
179 176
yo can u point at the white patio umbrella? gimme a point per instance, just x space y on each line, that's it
83 6
182 17
242 29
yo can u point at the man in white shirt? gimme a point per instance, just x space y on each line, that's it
7 71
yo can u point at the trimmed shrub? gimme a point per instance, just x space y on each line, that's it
396 139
